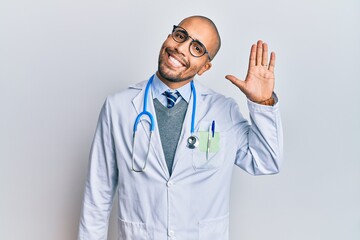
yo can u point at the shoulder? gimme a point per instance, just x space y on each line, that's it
213 97
127 94
212 102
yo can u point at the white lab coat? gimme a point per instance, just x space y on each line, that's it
192 203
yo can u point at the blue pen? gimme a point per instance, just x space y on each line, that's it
213 128
209 139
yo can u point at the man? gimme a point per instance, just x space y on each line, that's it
174 182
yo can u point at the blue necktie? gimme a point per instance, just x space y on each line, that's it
171 97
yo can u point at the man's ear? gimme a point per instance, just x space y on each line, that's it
206 67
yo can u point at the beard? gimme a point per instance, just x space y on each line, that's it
167 73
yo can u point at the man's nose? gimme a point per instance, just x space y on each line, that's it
183 48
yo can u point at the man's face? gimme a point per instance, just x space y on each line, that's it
176 64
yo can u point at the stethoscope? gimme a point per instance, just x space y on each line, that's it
192 141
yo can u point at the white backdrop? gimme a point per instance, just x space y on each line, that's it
60 59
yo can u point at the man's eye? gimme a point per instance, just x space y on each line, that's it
198 48
180 35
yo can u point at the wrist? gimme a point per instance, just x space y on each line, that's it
268 102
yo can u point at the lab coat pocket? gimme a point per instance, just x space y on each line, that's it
210 152
132 230
214 229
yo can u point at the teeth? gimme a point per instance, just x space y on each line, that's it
175 62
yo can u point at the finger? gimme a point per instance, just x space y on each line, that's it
252 58
265 55
272 62
237 82
259 52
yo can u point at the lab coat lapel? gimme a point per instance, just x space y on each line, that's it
156 146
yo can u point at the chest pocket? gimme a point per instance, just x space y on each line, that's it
210 152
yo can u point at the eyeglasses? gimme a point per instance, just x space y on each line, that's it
196 48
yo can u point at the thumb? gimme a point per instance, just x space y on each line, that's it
237 82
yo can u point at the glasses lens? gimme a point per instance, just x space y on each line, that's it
197 49
179 35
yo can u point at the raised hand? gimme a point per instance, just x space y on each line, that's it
259 82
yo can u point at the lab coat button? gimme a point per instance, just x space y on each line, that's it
169 183
171 233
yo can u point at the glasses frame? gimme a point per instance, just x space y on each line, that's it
192 40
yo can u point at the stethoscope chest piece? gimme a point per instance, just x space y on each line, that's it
192 142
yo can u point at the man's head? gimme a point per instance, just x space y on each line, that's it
180 61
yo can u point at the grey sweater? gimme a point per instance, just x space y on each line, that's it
169 122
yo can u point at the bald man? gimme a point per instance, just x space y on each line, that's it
168 145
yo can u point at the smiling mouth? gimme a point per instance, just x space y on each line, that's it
174 61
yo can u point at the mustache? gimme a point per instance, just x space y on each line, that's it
176 53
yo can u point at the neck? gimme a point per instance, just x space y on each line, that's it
172 85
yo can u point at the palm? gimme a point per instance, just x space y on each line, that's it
259 82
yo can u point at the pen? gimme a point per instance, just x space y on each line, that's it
213 128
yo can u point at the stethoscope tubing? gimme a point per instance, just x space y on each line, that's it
145 112
151 117
193 90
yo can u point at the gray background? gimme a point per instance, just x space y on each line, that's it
60 59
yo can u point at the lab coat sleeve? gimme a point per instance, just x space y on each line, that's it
260 145
101 182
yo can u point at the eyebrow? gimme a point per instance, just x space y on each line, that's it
195 39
